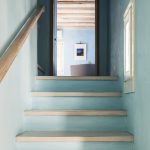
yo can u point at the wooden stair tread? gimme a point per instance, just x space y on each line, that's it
109 78
76 113
76 94
83 136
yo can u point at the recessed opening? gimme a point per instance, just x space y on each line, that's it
129 49
74 38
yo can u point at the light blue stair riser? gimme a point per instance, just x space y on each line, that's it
75 146
75 123
71 86
77 103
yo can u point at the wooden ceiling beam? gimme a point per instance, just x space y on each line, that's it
77 15
86 24
81 20
76 19
75 0
77 11
76 8
76 5
77 24
76 27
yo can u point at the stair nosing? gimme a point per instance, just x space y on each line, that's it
75 112
101 78
76 94
97 136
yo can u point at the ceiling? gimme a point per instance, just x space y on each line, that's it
76 14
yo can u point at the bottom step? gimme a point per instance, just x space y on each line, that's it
44 136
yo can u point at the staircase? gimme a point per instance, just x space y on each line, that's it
75 113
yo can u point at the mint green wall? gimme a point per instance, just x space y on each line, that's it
15 87
116 37
137 103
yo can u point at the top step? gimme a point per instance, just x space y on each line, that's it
107 78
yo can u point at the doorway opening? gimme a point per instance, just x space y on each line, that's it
74 42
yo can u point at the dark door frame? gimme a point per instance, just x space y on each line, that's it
97 29
51 37
97 37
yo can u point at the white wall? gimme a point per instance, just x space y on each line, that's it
16 86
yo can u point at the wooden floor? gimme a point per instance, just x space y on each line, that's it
110 78
52 136
76 113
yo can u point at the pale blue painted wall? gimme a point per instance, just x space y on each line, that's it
136 103
73 36
15 87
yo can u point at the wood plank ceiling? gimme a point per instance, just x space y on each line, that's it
75 14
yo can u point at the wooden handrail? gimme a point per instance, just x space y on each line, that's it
11 52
